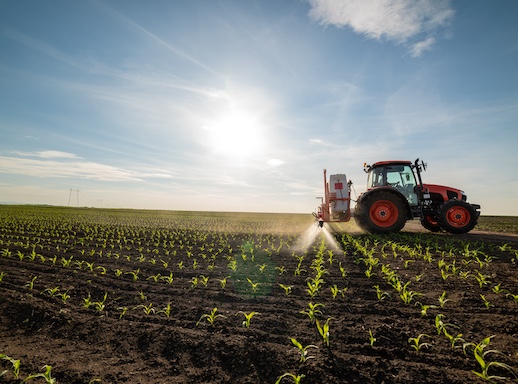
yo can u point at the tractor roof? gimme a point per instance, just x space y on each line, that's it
392 162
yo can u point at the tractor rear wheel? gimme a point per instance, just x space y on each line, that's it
430 222
457 216
382 212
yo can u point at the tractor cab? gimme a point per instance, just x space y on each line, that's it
395 174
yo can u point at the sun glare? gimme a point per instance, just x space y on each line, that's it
237 135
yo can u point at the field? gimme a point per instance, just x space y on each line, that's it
126 296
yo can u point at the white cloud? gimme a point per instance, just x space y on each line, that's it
275 162
396 20
76 169
418 48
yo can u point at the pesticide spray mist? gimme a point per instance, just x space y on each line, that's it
309 236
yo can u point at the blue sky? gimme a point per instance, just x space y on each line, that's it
238 105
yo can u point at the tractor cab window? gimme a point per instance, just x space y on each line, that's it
400 177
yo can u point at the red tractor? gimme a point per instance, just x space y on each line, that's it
395 193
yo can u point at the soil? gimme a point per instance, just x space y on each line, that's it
118 342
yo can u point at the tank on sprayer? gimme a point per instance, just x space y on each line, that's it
336 201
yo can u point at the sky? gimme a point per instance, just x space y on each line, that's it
239 105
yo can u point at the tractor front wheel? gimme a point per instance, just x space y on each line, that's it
457 216
430 222
382 212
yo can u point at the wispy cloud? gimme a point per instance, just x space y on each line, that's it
72 167
48 154
401 21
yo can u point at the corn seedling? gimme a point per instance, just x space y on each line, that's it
87 301
155 278
417 344
204 280
335 291
15 366
407 295
313 286
303 350
47 376
51 291
123 311
281 270
323 330
312 312
440 325
223 282
480 356
2 275
372 339
254 286
287 288
380 294
64 296
443 300
497 289
168 279
512 297
166 310
486 302
134 274
30 283
296 378
99 305
210 317
424 308
482 279
148 309
248 317
453 339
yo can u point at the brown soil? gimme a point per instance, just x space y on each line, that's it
84 344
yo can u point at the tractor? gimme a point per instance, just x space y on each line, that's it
396 193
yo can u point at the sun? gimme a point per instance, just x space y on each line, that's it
236 134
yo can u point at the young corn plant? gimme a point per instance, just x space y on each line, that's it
303 350
248 317
453 339
223 282
254 286
30 283
335 291
380 294
47 375
443 300
480 356
210 317
417 344
486 302
323 330
166 310
15 366
313 311
287 288
296 378
372 339
424 308
148 309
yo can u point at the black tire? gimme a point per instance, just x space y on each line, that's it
430 222
382 212
457 216
358 218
